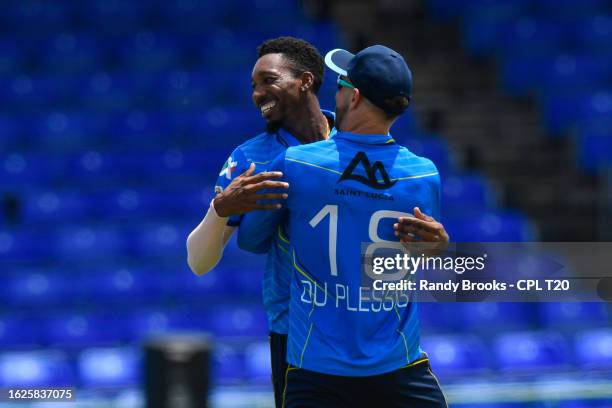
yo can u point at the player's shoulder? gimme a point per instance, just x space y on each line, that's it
408 159
311 150
255 145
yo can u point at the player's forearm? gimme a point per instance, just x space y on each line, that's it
206 242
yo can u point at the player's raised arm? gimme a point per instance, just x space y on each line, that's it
207 241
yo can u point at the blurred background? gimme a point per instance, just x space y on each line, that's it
118 115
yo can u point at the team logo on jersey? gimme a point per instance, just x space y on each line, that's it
228 167
376 175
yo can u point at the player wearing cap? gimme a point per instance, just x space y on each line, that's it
286 79
346 347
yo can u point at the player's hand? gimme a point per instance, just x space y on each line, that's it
421 228
242 194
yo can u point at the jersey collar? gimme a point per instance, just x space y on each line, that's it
287 139
365 139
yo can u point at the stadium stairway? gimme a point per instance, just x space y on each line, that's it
459 98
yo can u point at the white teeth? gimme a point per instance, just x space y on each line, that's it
267 107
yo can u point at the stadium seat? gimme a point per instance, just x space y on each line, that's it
593 147
457 355
149 51
567 8
257 362
71 54
88 243
572 315
109 367
531 351
40 288
228 366
595 34
437 317
594 348
120 285
493 316
52 206
65 131
78 330
434 149
463 194
101 92
490 227
146 322
18 332
12 58
9 128
137 128
181 283
235 320
47 17
184 90
124 15
35 369
531 37
159 240
25 245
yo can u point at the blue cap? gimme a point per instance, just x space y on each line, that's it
378 72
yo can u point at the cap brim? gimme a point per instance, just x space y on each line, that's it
337 60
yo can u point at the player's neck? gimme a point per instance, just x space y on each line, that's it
365 125
309 124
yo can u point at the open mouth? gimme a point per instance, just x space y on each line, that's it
266 108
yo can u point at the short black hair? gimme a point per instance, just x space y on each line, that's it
396 106
303 56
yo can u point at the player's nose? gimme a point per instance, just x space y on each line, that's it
258 96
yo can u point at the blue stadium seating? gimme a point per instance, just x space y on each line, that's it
594 146
465 194
12 58
35 369
257 362
233 320
18 332
71 54
524 351
39 288
574 314
148 51
88 243
77 330
457 355
551 49
109 367
594 348
491 227
228 364
595 34
492 316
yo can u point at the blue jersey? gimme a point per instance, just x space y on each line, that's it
261 150
344 192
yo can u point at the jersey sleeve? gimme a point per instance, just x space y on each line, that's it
437 199
234 166
258 227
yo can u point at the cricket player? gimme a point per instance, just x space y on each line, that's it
286 79
347 348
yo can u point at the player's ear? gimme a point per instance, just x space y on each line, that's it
355 98
306 81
